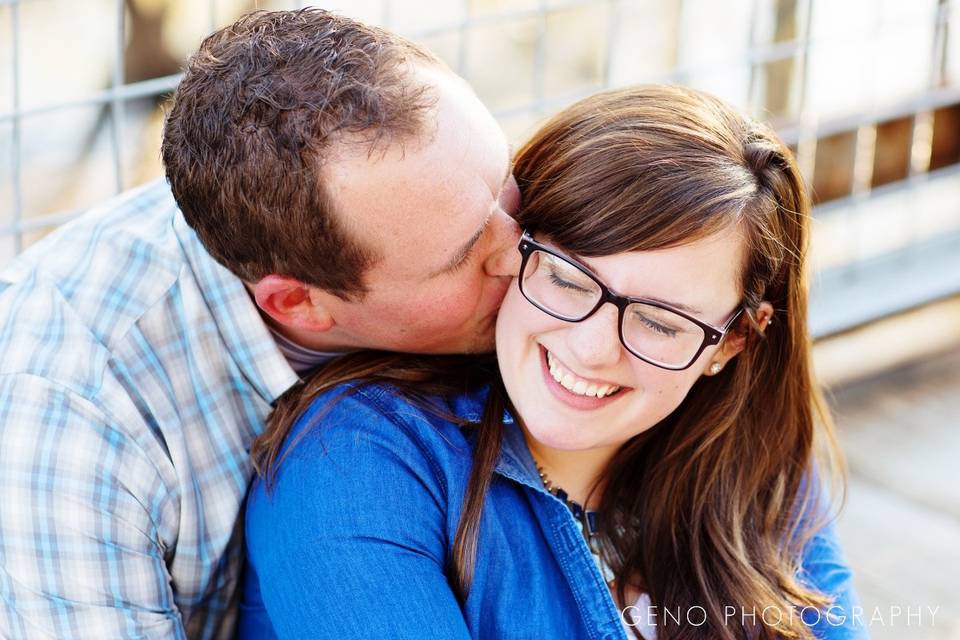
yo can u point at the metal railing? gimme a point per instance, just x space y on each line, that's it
925 265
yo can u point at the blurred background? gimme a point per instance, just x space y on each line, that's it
866 93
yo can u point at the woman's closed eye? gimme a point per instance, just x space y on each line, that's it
653 325
566 284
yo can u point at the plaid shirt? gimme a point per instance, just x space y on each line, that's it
134 373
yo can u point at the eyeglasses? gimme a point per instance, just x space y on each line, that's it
654 332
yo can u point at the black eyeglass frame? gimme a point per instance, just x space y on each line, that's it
711 334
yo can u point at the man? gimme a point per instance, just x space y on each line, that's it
336 188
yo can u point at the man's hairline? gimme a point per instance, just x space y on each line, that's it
339 148
345 145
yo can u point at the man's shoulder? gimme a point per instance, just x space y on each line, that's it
136 222
76 291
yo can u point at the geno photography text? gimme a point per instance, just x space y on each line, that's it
854 617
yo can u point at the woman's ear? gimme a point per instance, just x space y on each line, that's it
289 302
736 339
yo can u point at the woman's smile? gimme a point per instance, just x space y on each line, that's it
576 391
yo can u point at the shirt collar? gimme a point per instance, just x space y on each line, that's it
515 460
249 342
302 359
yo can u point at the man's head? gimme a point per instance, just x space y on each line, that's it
342 171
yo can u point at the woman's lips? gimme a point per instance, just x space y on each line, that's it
571 399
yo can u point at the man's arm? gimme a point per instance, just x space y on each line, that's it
351 542
80 556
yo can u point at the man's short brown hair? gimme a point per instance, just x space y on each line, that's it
259 105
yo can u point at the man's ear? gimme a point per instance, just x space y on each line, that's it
289 302
736 339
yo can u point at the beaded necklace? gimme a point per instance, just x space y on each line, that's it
586 521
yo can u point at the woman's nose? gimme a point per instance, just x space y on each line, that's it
595 342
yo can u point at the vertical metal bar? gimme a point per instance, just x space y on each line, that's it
751 48
540 60
921 133
806 122
386 12
865 150
801 106
921 128
938 70
15 122
116 104
921 144
613 34
854 213
463 48
865 142
679 76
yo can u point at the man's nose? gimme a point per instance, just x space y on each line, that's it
504 258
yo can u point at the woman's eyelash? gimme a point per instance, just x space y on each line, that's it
656 326
564 284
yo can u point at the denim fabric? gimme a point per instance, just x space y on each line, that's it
353 541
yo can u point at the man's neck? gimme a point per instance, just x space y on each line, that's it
304 339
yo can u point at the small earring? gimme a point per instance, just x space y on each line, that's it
715 368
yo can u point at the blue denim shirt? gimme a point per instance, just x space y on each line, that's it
354 539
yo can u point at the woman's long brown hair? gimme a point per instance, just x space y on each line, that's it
711 507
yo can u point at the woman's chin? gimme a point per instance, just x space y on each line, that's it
560 439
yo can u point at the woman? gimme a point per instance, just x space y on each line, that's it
646 454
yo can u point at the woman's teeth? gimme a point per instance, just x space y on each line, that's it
576 385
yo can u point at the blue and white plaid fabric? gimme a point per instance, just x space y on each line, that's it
134 373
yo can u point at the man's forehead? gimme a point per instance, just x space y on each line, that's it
412 219
418 201
415 213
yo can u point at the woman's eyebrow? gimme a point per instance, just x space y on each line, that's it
679 306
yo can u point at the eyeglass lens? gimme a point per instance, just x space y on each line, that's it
564 290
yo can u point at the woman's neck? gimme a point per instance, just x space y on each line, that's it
578 473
